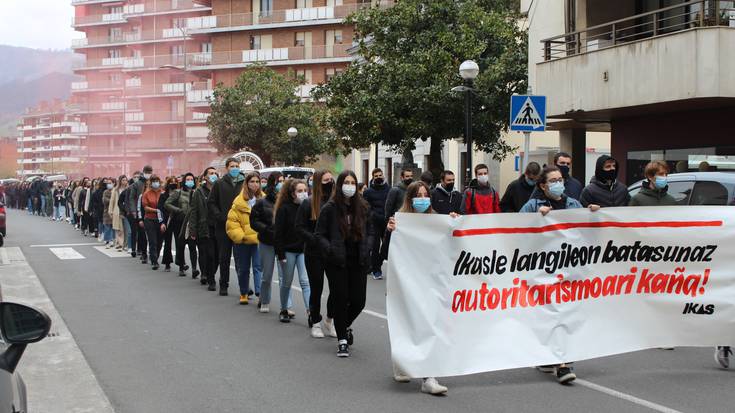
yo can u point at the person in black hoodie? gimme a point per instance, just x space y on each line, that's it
220 201
289 243
519 191
306 224
261 220
376 196
604 188
345 235
445 199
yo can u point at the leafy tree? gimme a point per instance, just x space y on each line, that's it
400 90
255 114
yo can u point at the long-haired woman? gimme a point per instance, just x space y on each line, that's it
345 236
243 236
167 237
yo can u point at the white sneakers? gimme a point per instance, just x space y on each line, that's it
316 331
263 308
431 386
328 327
401 378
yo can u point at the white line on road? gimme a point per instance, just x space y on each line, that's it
64 245
67 253
111 252
4 256
624 396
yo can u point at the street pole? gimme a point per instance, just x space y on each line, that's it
377 147
186 99
468 131
526 149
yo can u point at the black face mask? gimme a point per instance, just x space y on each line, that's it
564 170
408 181
449 187
378 181
327 189
171 187
607 176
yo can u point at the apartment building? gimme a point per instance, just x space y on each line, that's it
659 74
50 140
134 102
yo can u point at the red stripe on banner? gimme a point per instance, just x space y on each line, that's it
575 225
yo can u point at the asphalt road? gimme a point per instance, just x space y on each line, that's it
160 343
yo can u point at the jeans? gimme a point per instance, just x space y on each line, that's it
348 285
57 211
100 228
43 206
245 254
30 205
294 261
268 260
315 270
128 232
224 243
153 233
73 216
108 232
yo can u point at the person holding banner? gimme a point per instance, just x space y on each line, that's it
418 201
345 235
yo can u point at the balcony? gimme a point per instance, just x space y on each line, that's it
153 62
137 37
271 57
157 90
673 54
58 148
41 138
95 86
106 130
109 18
276 18
152 118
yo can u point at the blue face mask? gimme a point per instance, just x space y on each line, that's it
661 182
155 185
189 184
109 186
530 182
263 186
556 189
234 172
213 178
421 204
278 187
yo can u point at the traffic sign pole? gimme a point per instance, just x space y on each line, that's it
526 149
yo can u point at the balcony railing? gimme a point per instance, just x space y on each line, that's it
153 62
688 15
278 16
154 117
106 130
128 10
95 85
246 57
157 89
131 37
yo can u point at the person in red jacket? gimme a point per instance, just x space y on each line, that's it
480 198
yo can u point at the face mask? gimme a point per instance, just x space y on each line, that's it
213 178
449 187
109 186
263 186
607 176
421 204
378 181
189 184
661 182
556 189
301 197
234 172
349 190
530 182
172 186
155 185
564 170
327 188
147 176
483 179
279 186
407 181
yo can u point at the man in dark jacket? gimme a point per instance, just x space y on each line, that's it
376 195
444 198
136 219
220 200
394 201
572 186
520 190
604 189
201 229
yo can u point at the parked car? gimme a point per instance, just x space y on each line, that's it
698 188
288 172
20 325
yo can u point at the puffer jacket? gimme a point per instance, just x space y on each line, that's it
238 223
332 242
652 197
261 219
602 192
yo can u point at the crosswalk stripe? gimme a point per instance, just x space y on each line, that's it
67 253
111 252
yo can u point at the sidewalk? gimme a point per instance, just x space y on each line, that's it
55 371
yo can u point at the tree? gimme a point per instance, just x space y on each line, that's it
255 114
399 91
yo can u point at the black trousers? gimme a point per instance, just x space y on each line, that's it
315 271
181 244
376 257
208 258
88 223
224 244
133 231
348 285
153 233
166 244
142 239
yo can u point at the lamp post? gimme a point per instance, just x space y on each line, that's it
468 70
292 132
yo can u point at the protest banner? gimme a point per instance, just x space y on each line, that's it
500 291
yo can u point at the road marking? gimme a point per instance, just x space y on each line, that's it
112 252
624 396
64 245
4 256
67 253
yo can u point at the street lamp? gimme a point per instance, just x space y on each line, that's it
468 70
292 132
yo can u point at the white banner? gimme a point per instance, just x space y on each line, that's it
500 291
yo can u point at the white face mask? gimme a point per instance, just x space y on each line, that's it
301 197
483 179
147 176
349 190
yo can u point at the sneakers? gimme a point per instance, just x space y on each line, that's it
565 375
284 317
722 356
546 369
401 378
378 275
223 292
212 287
168 268
328 327
350 337
316 331
194 274
431 386
250 293
291 314
243 299
154 267
263 308
343 349
182 273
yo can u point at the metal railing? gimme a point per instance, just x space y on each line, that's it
688 15
246 57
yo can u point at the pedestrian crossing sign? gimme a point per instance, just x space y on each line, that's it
527 113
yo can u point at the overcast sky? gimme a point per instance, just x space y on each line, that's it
40 24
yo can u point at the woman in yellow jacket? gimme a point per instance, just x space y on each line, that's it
244 238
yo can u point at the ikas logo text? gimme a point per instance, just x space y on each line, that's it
693 308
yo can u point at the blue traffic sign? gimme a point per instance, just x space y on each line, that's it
527 113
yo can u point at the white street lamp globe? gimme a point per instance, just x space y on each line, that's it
292 132
469 70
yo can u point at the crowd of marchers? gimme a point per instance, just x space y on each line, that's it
321 228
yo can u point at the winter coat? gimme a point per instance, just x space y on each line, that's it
480 200
114 210
537 202
604 193
287 237
75 197
516 195
178 207
106 197
136 190
376 195
220 199
652 197
200 225
444 202
96 205
306 227
261 219
332 243
394 200
238 223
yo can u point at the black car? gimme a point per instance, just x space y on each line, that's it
698 188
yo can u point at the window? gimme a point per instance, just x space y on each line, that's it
178 22
681 191
302 4
711 193
255 42
300 39
177 50
116 10
115 34
332 3
266 8
304 76
333 37
329 74
115 53
115 78
207 47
